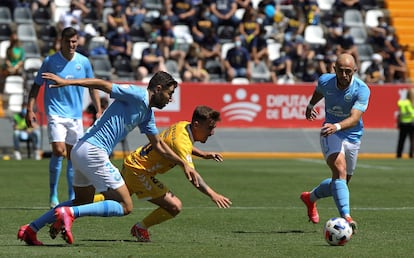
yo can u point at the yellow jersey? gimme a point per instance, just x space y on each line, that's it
178 137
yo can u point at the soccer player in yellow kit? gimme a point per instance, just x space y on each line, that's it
141 166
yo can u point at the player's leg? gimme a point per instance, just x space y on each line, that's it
93 167
147 187
74 132
57 135
28 233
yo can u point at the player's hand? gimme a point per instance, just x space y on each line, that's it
31 119
328 129
59 82
221 201
214 155
311 113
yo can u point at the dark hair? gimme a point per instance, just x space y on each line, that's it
162 78
203 113
69 32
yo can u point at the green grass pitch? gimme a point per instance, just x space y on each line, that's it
267 218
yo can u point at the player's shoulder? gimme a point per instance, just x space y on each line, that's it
360 84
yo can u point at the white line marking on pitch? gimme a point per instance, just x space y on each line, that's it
358 164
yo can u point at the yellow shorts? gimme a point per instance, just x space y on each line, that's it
142 184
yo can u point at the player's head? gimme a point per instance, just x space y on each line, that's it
162 85
204 122
345 68
69 41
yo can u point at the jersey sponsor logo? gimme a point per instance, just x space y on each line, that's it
241 106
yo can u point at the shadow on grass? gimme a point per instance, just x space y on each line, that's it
292 231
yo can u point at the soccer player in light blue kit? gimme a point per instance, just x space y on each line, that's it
94 171
346 99
63 107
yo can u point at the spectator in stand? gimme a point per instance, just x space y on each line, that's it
310 74
310 10
237 62
375 71
22 132
165 38
335 29
259 51
13 64
135 13
222 13
116 19
180 11
281 69
210 47
347 45
193 65
342 5
377 36
73 18
249 28
397 66
48 6
152 61
202 25
326 58
119 45
243 3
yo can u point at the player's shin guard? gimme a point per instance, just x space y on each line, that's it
340 193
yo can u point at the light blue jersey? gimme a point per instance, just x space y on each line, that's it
338 103
64 101
129 110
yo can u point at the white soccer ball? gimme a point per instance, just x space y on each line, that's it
337 231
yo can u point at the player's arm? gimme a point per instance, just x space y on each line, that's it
207 155
220 200
311 112
30 115
160 146
348 122
91 83
96 101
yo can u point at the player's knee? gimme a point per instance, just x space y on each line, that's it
176 208
127 208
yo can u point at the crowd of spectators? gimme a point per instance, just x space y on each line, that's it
224 39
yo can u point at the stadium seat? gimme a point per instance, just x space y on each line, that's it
5 15
314 35
274 50
102 67
123 69
153 4
22 14
5 31
365 52
371 17
26 32
172 68
137 34
325 5
225 33
31 48
240 80
359 34
225 47
42 16
183 32
31 66
353 18
260 72
214 69
137 49
14 92
3 49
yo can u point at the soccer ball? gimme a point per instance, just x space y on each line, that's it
337 231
